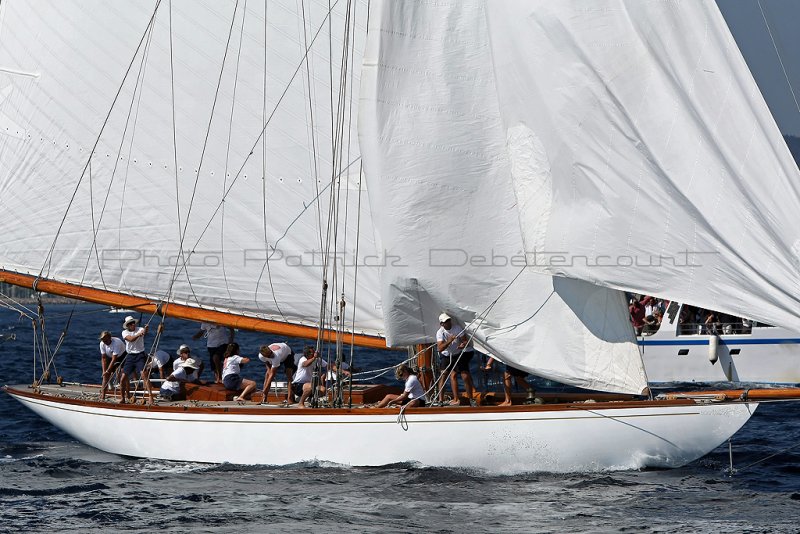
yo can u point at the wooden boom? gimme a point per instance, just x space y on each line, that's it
182 311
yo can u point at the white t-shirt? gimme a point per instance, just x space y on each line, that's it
115 348
174 386
452 349
280 351
414 388
303 374
136 345
331 375
194 376
232 366
216 335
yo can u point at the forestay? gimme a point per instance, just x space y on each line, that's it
644 157
443 203
174 169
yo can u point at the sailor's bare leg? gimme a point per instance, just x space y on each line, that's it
506 390
454 389
289 393
268 376
146 380
386 400
249 387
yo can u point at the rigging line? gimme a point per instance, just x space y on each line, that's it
338 135
95 225
358 235
330 78
342 119
185 229
787 449
264 179
331 231
286 231
137 86
88 168
174 121
778 54
311 130
255 144
228 149
20 308
49 257
96 228
350 69
355 279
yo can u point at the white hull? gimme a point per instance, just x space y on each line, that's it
522 438
768 355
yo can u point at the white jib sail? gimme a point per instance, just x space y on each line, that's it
644 156
220 196
443 204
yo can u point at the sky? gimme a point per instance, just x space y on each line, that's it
752 30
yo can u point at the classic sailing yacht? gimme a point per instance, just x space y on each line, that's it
200 160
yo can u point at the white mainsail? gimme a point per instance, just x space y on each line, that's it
644 155
441 190
138 202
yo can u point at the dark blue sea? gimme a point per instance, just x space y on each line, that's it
51 483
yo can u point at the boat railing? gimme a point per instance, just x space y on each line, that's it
717 328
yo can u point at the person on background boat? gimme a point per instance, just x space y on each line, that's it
413 394
652 322
508 373
217 340
636 309
455 351
231 369
711 323
135 358
112 352
274 356
303 378
174 386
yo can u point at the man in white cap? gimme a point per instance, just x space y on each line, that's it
112 352
174 386
455 351
133 335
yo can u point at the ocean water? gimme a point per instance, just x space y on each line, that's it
51 483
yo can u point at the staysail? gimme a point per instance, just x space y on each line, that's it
444 206
644 157
194 148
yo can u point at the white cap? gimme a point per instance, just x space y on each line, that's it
182 348
128 320
191 363
444 317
